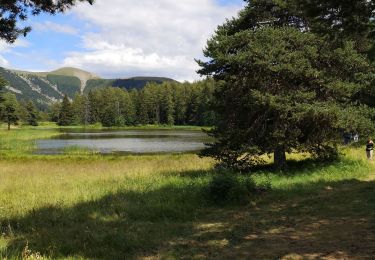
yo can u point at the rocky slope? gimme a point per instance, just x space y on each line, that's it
46 87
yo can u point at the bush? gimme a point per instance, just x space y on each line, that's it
228 188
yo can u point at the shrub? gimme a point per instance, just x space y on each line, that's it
228 188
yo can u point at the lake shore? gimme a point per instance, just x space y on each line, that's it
109 207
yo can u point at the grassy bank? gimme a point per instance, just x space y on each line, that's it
98 126
104 207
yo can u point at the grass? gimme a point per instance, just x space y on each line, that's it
52 125
87 206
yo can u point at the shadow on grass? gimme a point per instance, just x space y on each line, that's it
295 167
116 226
174 221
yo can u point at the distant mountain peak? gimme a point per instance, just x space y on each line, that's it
70 71
83 76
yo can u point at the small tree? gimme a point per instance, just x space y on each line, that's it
10 109
66 116
32 114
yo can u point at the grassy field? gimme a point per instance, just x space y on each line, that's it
80 206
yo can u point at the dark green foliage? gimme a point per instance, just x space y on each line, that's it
94 84
139 82
167 107
13 11
3 83
66 84
54 112
10 109
169 103
32 114
282 88
342 20
111 107
336 20
66 116
82 109
128 84
230 189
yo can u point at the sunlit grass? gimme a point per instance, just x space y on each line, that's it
85 205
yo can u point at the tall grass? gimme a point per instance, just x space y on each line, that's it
22 141
88 206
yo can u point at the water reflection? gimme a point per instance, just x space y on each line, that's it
128 142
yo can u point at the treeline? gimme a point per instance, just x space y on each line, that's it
12 112
170 103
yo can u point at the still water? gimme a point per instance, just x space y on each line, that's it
125 141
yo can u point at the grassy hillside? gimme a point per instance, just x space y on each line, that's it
80 206
131 83
138 82
66 84
46 87
69 71
93 84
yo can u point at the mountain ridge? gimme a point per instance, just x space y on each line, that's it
44 88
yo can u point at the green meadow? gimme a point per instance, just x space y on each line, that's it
82 205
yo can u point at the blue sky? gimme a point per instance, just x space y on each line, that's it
122 38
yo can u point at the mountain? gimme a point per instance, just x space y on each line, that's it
129 83
43 88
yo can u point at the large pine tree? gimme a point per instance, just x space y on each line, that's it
283 86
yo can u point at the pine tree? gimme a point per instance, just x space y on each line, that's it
10 109
282 88
142 107
127 107
32 114
54 111
66 116
93 108
167 105
180 99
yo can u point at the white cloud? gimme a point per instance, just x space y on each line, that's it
131 62
6 47
147 37
54 27
3 62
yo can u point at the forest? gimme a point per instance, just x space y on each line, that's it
169 103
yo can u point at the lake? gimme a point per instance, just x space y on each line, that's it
125 141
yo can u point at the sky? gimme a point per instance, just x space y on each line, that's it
122 38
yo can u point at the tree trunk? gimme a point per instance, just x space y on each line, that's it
280 157
8 126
